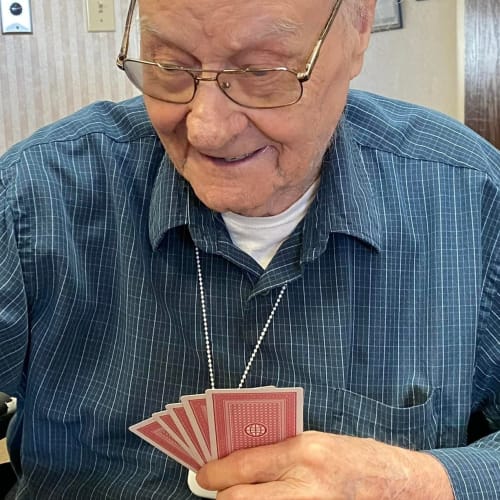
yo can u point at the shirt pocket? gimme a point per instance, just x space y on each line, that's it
414 427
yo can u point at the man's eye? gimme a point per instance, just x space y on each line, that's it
168 65
173 62
171 58
260 72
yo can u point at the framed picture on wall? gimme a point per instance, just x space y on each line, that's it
387 15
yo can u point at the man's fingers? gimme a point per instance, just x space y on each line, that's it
253 465
276 490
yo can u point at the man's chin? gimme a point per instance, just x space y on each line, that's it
222 205
229 207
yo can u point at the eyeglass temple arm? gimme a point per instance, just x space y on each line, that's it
126 35
304 76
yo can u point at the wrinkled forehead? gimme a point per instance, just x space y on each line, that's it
234 23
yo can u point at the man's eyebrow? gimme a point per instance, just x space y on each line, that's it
146 27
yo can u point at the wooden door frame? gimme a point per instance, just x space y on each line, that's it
482 68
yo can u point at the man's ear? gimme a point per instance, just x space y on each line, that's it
361 36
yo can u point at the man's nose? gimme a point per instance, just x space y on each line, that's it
213 120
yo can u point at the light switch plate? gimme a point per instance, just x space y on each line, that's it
16 16
101 15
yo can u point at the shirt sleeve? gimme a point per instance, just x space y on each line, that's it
474 470
13 304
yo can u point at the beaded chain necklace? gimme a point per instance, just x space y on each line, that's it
208 346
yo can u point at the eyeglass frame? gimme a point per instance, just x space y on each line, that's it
196 74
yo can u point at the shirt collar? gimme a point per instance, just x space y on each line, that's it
173 204
345 202
169 207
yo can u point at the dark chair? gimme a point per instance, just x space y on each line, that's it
7 476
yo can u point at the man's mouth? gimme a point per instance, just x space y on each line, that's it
238 159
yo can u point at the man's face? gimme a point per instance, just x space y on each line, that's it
254 162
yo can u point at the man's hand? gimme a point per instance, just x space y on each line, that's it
324 466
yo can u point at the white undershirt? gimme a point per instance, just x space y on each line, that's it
260 237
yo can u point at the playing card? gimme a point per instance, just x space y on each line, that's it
245 418
164 418
180 417
152 432
196 410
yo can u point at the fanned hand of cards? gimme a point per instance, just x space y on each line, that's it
208 426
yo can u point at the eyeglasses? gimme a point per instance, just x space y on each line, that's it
252 87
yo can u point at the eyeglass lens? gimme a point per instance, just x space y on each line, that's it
259 88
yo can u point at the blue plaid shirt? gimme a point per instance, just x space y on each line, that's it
391 319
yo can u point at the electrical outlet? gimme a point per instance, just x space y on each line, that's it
101 15
16 16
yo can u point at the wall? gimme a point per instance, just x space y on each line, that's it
421 63
58 69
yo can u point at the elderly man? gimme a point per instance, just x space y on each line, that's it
357 238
